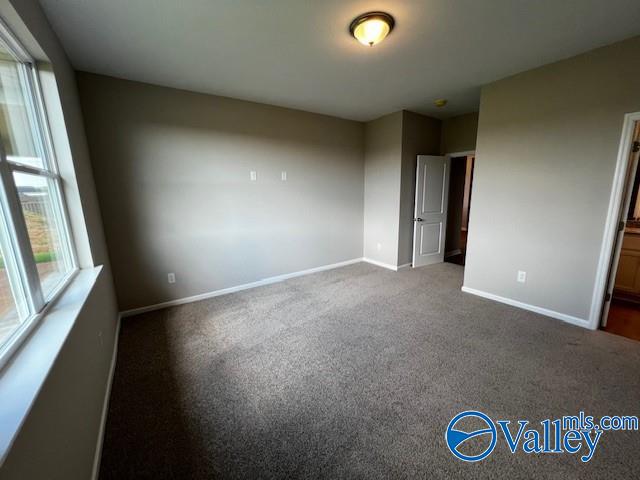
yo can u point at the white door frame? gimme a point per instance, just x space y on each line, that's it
613 216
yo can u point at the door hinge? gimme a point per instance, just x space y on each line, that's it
621 225
636 147
607 297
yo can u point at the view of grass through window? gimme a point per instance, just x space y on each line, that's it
43 228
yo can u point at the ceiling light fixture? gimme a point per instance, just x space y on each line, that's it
441 102
371 28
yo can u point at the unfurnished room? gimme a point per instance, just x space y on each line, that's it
330 239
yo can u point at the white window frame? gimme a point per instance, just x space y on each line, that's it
20 263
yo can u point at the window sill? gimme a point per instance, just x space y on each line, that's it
26 371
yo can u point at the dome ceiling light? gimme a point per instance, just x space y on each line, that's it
371 28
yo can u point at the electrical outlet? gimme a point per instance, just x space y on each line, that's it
379 246
171 278
284 176
522 276
253 175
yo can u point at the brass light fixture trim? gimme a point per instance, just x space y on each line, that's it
371 27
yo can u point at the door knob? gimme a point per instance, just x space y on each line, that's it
417 219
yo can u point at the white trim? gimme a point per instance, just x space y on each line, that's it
453 155
14 342
613 214
388 266
237 288
460 154
525 306
105 405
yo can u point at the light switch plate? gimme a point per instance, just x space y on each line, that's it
522 276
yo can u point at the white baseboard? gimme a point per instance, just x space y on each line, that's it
388 266
532 308
237 288
453 253
105 405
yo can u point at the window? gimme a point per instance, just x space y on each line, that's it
36 254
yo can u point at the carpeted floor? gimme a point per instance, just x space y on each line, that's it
355 373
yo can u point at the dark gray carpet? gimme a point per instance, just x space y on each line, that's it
355 373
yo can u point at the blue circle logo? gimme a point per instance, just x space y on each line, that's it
456 438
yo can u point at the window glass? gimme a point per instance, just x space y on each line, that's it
36 255
16 115
13 303
45 228
9 318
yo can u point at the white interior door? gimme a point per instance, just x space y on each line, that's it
430 220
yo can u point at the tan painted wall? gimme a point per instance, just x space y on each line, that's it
546 152
383 150
459 133
172 171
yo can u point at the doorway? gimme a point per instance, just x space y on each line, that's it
621 310
460 183
442 206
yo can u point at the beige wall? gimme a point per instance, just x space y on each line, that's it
420 136
59 436
383 150
545 159
459 133
173 178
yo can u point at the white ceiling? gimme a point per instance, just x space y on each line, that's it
298 53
